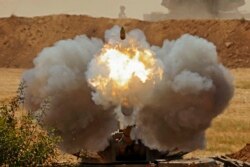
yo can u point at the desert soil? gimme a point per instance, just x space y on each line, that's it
21 39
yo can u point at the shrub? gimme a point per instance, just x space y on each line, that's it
23 142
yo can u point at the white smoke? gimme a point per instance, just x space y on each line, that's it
196 88
174 114
59 74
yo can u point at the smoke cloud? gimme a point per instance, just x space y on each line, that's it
199 9
59 74
172 112
195 89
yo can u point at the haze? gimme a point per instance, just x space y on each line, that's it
96 8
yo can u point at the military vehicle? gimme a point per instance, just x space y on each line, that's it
123 149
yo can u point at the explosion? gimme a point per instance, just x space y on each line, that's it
170 94
124 65
124 69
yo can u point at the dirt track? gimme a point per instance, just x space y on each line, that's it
21 39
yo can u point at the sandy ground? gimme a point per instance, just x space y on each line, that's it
21 39
228 133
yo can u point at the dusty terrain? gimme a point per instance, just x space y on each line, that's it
22 38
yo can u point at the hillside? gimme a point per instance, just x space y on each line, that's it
21 39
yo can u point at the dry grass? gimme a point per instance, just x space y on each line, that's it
9 81
229 132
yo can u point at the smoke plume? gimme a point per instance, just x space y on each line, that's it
199 9
170 110
195 89
59 74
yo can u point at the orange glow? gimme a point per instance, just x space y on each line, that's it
126 66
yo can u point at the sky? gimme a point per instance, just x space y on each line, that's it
96 8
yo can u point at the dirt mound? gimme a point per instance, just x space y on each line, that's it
21 39
243 154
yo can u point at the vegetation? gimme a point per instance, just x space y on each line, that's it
22 142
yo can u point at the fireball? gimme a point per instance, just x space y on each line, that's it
121 74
